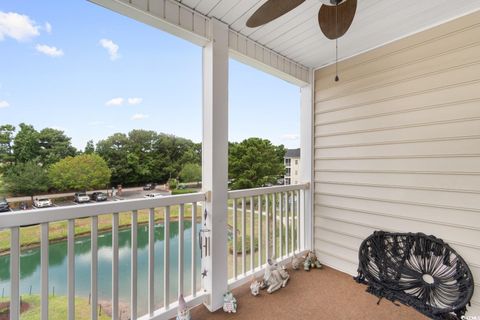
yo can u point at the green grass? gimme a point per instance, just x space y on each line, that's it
183 191
30 236
57 308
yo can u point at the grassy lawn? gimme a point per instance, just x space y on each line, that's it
30 236
57 308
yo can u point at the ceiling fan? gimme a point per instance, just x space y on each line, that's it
335 16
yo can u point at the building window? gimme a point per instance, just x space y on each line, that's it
287 181
287 172
288 162
296 162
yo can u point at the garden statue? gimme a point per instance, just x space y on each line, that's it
296 261
229 303
183 311
311 261
275 277
255 287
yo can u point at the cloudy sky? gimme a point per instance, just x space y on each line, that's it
78 67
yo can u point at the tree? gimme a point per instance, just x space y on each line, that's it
90 147
255 162
27 179
114 150
83 172
54 146
26 146
191 172
7 157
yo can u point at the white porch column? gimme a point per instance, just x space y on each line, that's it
215 160
306 164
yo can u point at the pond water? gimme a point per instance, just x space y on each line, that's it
30 266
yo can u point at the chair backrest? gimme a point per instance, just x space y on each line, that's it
418 270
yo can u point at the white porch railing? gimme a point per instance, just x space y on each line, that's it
15 220
266 223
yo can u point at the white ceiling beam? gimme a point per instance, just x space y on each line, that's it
176 18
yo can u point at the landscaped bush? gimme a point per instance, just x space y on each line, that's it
172 184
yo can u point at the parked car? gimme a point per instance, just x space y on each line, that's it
42 203
99 196
149 186
153 195
81 197
4 206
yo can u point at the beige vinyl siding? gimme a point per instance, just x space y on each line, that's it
397 145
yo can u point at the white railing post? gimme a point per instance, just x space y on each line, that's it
306 166
215 161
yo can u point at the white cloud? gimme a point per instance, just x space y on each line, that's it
17 26
48 27
290 136
49 51
135 100
139 116
111 47
114 102
4 104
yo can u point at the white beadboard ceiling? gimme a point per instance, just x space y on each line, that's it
297 35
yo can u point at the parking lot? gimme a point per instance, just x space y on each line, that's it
126 194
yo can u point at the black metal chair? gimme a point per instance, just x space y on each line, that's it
417 270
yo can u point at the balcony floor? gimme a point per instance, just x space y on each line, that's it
318 294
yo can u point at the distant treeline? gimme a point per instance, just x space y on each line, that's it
34 161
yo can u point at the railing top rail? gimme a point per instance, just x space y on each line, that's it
235 194
29 217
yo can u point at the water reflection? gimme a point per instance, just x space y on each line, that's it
30 266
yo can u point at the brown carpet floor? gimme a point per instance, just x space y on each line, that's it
318 294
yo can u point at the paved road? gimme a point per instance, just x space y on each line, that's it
128 193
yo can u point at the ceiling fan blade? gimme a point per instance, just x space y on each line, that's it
328 20
271 10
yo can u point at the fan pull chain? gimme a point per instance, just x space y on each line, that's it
336 43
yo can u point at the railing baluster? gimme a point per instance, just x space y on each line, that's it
292 221
267 228
274 224
260 260
44 271
287 222
166 260
280 233
298 220
151 262
133 269
94 267
115 310
244 235
234 244
180 249
71 269
15 273
252 234
194 247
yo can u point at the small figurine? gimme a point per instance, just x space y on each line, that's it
275 277
311 261
183 311
255 287
229 303
296 261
